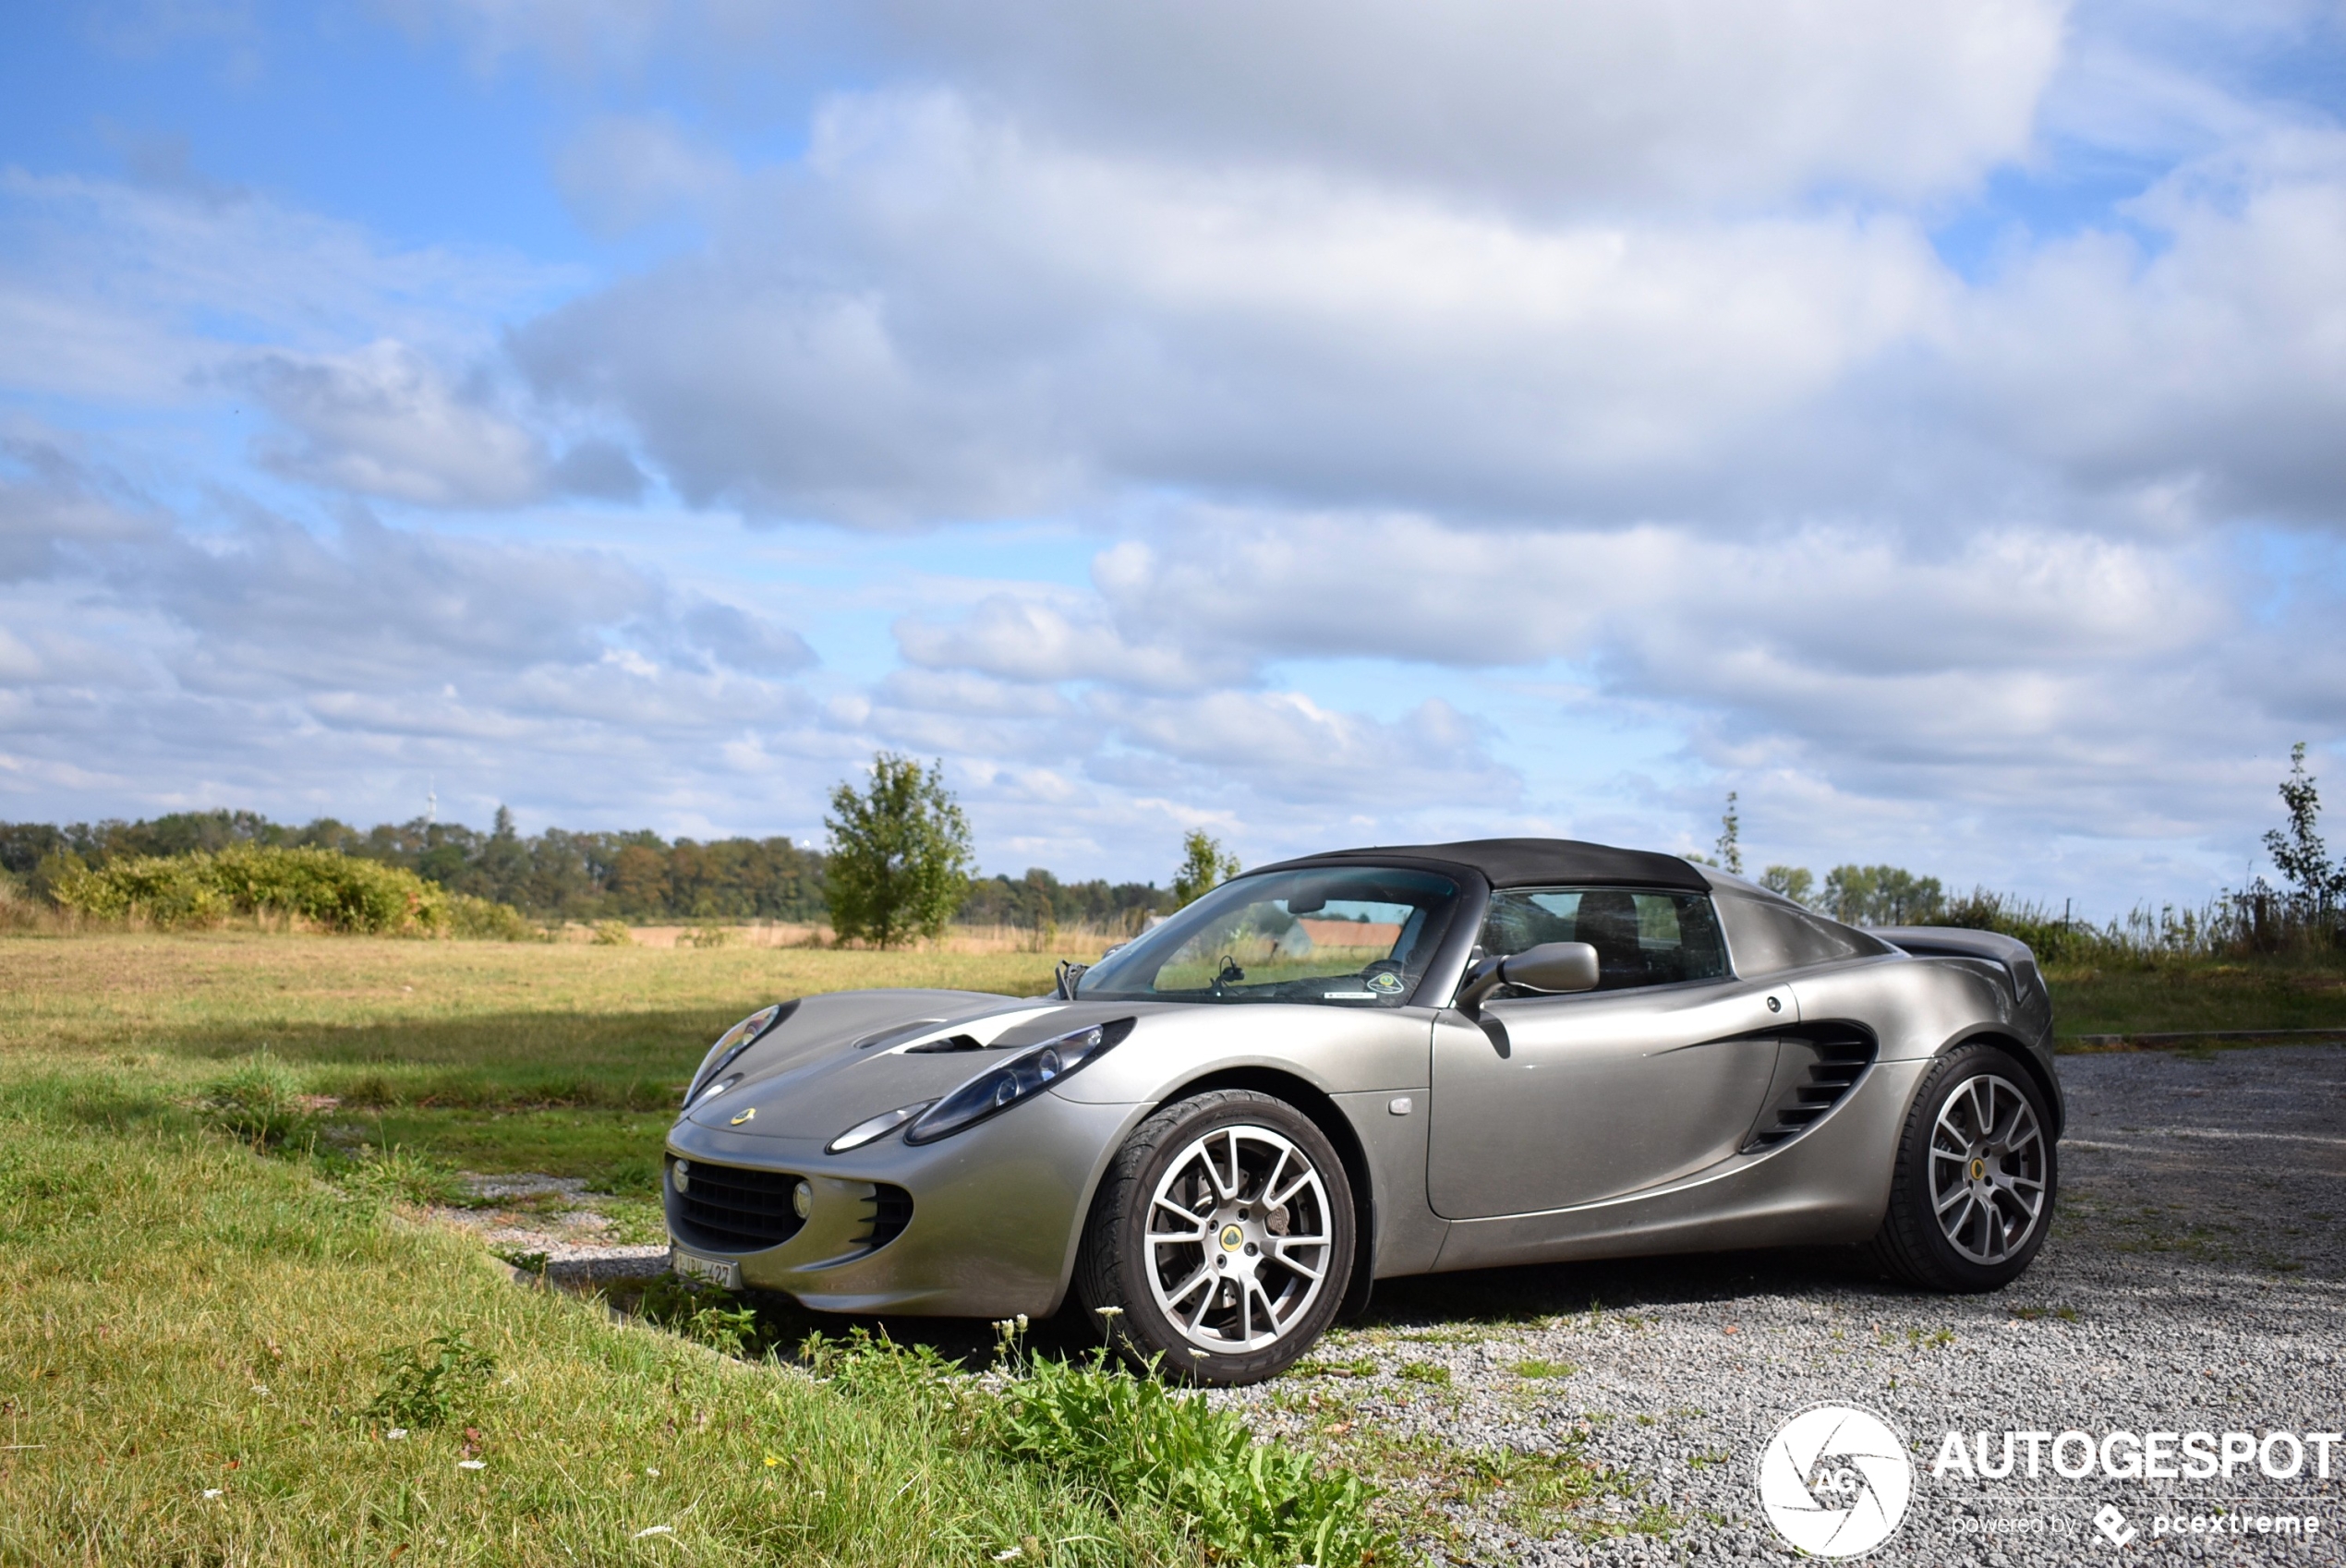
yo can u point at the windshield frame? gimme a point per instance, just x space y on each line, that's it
1436 983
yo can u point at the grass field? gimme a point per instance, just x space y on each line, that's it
2173 996
191 1333
211 1355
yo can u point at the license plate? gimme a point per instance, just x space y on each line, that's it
718 1270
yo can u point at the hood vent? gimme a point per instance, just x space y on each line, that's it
1814 1071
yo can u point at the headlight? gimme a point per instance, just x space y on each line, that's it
1020 1078
878 1127
733 1042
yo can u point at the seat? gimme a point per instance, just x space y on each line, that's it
1608 922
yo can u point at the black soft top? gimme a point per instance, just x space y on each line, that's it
1526 863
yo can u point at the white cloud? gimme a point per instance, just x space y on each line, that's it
622 171
384 421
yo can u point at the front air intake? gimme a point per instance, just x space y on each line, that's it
1816 1072
728 1208
891 1212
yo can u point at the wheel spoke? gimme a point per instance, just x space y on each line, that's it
1284 1255
1180 1293
1954 1194
1204 1305
1271 1182
1200 1224
1270 1310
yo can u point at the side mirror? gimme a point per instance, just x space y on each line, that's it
1553 967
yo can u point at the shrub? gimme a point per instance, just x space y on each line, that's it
484 920
334 891
259 1104
614 934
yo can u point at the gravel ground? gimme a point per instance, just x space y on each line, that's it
2192 1282
535 1214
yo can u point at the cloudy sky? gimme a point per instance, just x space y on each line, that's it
1322 423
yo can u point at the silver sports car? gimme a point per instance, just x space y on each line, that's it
1376 1063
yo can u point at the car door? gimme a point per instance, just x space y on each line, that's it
1549 1102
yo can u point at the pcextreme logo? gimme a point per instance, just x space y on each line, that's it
1835 1480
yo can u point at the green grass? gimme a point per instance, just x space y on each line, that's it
216 1309
183 1316
2177 995
564 1059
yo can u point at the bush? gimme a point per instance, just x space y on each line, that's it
482 920
259 1104
614 934
334 891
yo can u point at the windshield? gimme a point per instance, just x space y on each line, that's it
1357 935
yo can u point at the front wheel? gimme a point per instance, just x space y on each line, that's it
1222 1239
1973 1193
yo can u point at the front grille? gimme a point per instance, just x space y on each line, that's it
891 1212
732 1210
1838 1057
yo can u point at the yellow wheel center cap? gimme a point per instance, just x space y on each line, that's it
1979 1170
1232 1238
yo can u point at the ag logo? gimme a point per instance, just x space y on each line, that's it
1835 1481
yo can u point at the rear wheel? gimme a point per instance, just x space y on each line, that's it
1972 1194
1222 1239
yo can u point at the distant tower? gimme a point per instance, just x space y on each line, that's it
431 803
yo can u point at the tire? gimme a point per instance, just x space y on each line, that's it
1973 1159
1201 1278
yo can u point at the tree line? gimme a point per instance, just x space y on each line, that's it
562 874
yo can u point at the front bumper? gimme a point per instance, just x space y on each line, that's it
996 1211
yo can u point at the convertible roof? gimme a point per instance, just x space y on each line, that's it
1526 863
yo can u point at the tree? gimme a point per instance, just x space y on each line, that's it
1730 839
1794 882
900 857
1880 895
1204 867
2298 852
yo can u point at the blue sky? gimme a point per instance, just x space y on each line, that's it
1320 423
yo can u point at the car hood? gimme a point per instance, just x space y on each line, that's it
837 1059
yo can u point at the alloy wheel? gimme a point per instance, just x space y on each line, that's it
1987 1169
1239 1237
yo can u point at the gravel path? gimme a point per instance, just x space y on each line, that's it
2193 1281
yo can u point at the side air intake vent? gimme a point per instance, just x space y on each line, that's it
728 1208
1814 1071
891 1212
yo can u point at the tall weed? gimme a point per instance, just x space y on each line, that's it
1130 1436
433 1386
258 1103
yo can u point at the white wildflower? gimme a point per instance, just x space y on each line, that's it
394 1434
212 1491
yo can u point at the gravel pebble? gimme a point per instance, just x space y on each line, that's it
2192 1282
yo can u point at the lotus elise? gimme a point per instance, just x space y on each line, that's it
1376 1063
